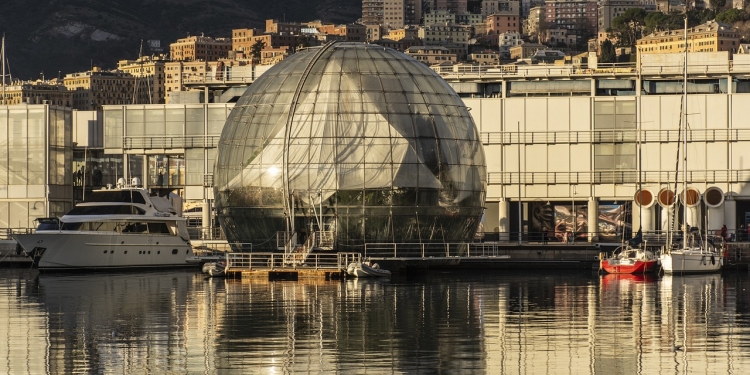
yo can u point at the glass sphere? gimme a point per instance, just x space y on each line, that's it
358 140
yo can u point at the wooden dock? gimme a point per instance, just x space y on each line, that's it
286 274
403 258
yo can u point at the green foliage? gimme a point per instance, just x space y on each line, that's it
732 15
629 26
717 4
608 52
256 49
655 21
697 17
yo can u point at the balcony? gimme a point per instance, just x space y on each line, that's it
169 142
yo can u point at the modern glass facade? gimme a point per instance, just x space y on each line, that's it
168 146
35 162
352 138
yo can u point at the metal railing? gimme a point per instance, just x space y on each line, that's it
223 79
271 261
428 250
213 248
616 176
151 142
201 233
320 239
613 136
465 71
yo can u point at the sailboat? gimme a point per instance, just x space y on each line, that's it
696 254
629 259
632 257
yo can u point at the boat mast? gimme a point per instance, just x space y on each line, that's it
3 57
684 141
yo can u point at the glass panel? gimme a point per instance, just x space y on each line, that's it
4 218
625 122
194 167
604 122
36 146
17 147
216 119
210 158
604 162
176 171
20 217
135 123
604 108
625 107
194 121
135 167
155 122
3 148
113 124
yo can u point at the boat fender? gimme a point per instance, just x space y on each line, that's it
713 260
703 260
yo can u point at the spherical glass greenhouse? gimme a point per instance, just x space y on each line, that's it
358 140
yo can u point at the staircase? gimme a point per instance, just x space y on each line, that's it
298 254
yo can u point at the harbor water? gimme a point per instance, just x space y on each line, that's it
436 322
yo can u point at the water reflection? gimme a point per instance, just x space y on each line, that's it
496 322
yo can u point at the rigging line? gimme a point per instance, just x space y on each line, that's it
287 130
677 167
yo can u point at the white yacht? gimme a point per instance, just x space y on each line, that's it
113 228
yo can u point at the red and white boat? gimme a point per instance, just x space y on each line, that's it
626 259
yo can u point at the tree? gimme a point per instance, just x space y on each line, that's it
541 30
256 49
716 4
731 16
608 54
629 26
655 21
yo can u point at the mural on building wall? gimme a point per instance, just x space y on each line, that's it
614 221
558 221
541 219
571 223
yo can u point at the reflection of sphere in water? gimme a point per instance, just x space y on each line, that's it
357 139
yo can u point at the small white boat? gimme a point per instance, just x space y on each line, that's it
366 269
113 228
215 269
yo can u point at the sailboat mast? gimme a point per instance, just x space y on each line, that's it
3 57
684 142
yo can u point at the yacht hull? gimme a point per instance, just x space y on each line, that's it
690 261
65 250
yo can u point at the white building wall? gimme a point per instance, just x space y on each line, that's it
547 164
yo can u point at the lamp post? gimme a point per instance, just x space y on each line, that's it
520 206
573 214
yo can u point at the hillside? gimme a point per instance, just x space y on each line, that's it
54 37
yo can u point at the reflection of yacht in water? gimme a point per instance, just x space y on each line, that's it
121 227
